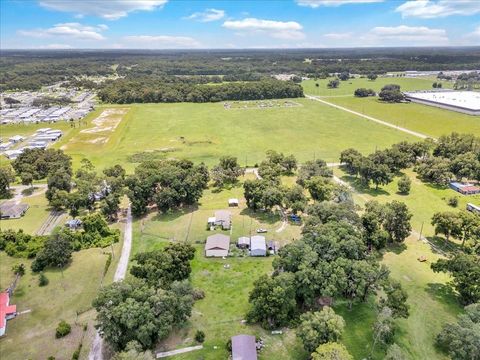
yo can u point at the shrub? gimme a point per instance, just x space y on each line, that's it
63 329
76 354
404 184
43 280
200 336
453 201
198 294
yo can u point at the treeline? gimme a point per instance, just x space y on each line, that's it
29 70
126 92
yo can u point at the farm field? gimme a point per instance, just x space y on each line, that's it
204 132
349 86
425 119
68 296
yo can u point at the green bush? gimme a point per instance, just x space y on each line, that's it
200 336
76 353
453 201
63 329
43 280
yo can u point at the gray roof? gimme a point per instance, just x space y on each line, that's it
258 242
10 209
244 240
244 347
217 241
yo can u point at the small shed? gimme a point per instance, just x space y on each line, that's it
11 210
223 218
244 347
258 246
233 202
73 224
473 208
217 245
243 242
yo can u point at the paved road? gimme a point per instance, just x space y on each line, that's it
414 133
97 346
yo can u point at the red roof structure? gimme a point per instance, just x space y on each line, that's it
7 311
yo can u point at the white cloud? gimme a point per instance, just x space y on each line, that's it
107 9
413 35
208 15
472 38
289 30
431 9
67 30
317 3
338 36
159 42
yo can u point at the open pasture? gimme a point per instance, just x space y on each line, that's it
205 132
349 86
425 119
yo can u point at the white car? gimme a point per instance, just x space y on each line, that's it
261 231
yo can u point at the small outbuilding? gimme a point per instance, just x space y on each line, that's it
217 245
258 246
223 218
243 242
244 347
16 138
233 202
73 224
473 208
11 210
465 189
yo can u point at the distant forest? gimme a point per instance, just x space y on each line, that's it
29 69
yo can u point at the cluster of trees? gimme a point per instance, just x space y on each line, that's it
148 91
454 156
145 308
391 93
461 340
169 184
332 259
467 81
277 164
19 244
437 85
363 92
7 176
463 225
333 84
57 249
48 101
380 166
226 172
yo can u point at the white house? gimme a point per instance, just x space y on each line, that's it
217 245
258 246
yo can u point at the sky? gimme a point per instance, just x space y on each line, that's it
175 24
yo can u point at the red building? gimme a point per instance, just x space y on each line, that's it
7 311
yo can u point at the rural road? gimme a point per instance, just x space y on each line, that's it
97 346
414 133
39 188
178 351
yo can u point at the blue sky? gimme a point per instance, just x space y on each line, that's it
167 24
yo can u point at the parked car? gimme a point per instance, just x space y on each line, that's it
260 231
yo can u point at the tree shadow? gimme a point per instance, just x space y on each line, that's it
267 217
396 248
230 186
443 293
439 245
360 187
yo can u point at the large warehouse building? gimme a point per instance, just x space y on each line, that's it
467 102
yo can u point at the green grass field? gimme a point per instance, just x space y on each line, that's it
204 132
427 120
349 86
68 296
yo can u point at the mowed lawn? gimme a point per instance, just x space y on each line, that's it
349 86
427 120
68 296
205 132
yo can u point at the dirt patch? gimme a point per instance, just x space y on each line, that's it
107 121
98 140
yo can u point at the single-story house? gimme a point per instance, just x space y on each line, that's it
232 202
10 210
473 208
258 246
13 154
211 221
7 311
243 242
223 218
217 245
244 347
465 189
73 224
